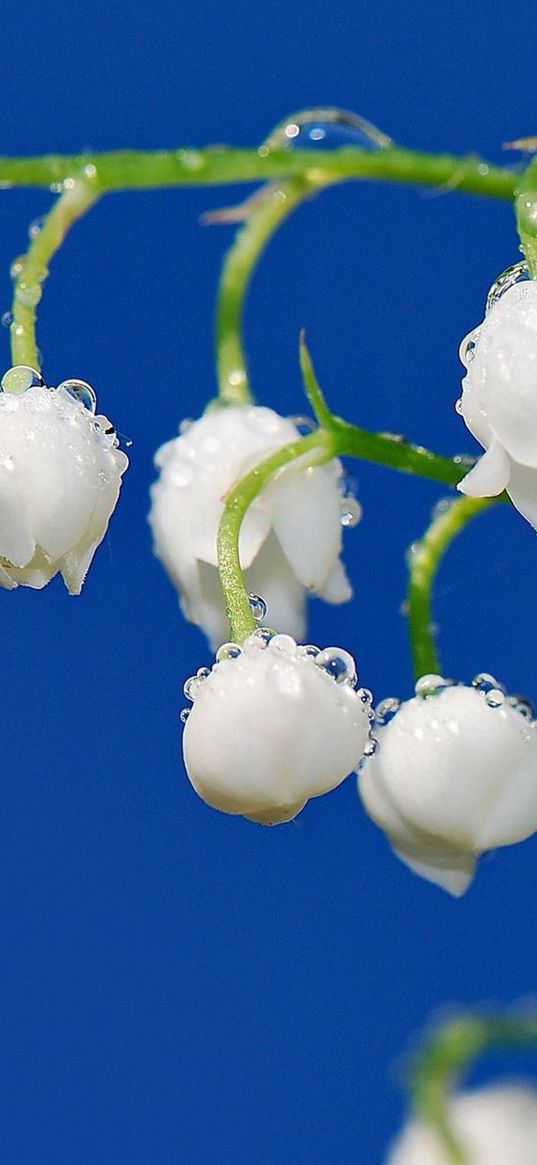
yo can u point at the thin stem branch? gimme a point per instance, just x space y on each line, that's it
313 450
268 211
220 165
33 268
424 560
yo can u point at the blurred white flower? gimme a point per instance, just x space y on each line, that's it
495 1126
499 400
455 775
273 724
60 476
290 539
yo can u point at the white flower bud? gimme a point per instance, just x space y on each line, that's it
494 1126
290 539
272 725
60 476
455 774
499 400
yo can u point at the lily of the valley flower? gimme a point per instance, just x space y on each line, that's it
499 400
455 774
494 1126
60 476
290 539
273 724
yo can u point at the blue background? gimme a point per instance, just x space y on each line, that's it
179 986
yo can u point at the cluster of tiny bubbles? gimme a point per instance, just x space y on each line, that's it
328 129
20 378
387 709
507 279
258 607
82 392
228 651
338 664
432 685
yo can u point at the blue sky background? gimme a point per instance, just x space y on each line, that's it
179 987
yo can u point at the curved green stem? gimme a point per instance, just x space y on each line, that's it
219 165
31 269
425 557
312 450
452 1050
269 209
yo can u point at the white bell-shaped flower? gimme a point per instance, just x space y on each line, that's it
290 539
60 476
499 400
273 724
494 1126
454 775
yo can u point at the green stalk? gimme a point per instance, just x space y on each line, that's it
220 165
32 269
424 560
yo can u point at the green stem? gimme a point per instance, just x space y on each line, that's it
218 165
396 453
269 210
313 450
31 269
452 1050
425 557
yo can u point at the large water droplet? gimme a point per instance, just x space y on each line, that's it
495 698
20 378
351 512
507 279
387 709
484 682
430 685
328 129
258 606
228 651
338 664
285 644
81 391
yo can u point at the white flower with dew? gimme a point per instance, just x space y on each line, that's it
273 724
494 1126
455 775
60 476
290 539
499 400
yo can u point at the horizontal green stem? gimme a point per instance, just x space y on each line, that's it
312 450
425 557
32 269
220 165
396 454
452 1050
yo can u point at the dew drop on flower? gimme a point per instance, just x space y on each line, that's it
283 643
305 425
82 391
387 709
20 378
184 714
371 746
523 705
258 606
507 279
7 319
228 651
431 684
495 698
309 649
366 695
263 635
484 682
351 512
17 267
338 664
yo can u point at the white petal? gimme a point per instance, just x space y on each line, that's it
337 588
522 490
307 521
451 870
490 476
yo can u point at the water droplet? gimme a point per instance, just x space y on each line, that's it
309 649
192 686
56 187
228 651
411 553
284 644
81 391
484 682
398 437
459 406
442 507
523 705
464 459
328 129
258 606
495 698
351 512
366 695
305 425
371 746
185 425
29 294
184 714
507 279
17 267
20 378
387 709
430 685
36 227
467 347
7 319
259 639
339 664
